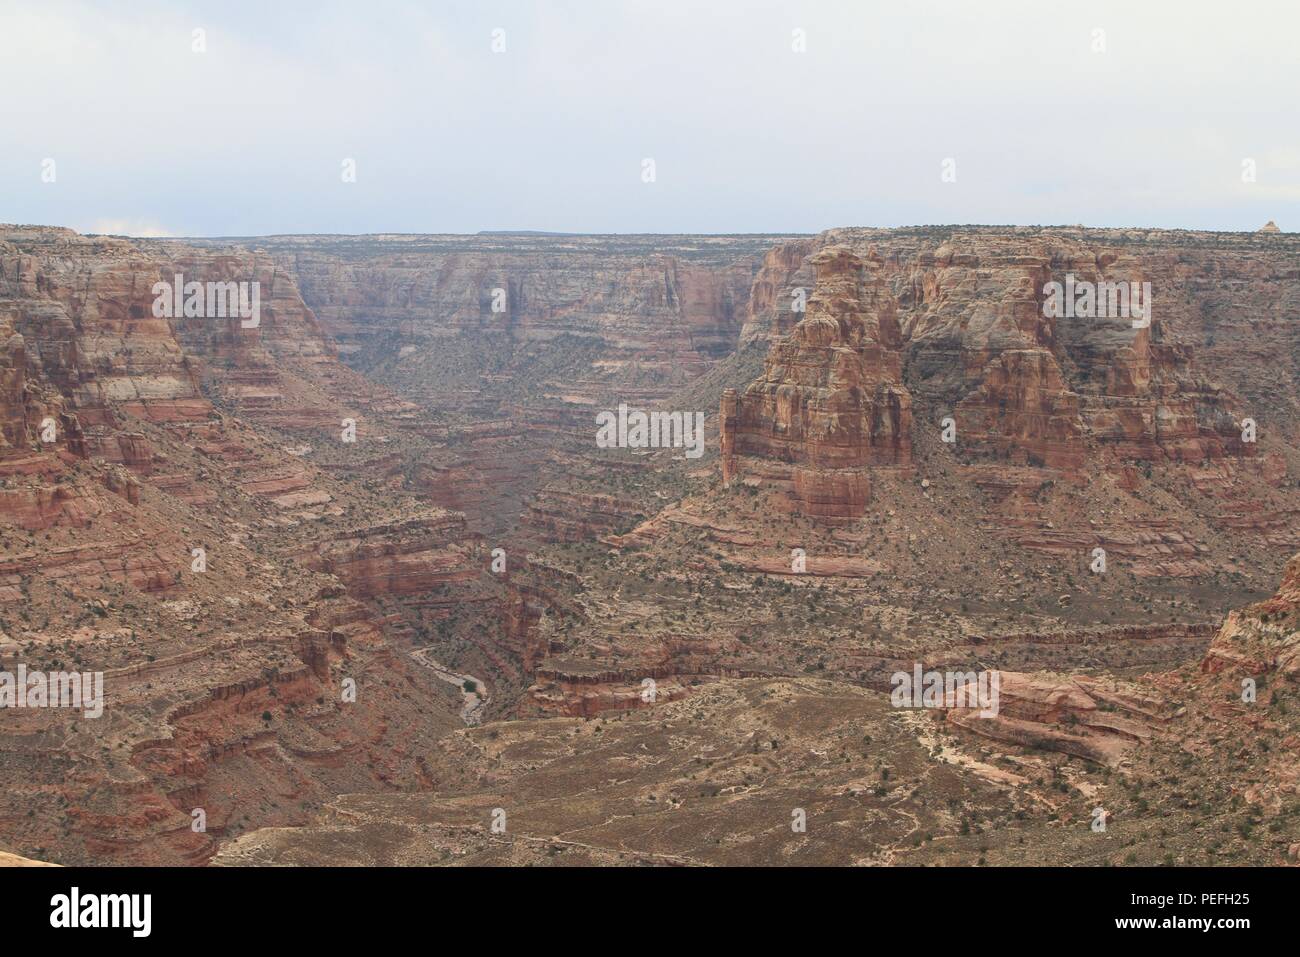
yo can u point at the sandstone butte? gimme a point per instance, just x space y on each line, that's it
474 533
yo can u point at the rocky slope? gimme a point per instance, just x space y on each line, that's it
800 771
178 512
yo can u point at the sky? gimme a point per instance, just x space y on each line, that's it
758 116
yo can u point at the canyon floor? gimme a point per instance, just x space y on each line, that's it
365 589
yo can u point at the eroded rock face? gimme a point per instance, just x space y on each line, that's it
831 397
13 368
832 394
1099 721
1264 639
661 301
404 558
785 277
1022 411
847 542
510 343
958 322
179 511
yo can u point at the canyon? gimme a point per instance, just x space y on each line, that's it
394 485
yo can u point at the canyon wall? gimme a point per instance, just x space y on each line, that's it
953 324
182 511
349 465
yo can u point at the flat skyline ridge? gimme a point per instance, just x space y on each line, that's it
543 233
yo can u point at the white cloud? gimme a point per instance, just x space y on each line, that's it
126 227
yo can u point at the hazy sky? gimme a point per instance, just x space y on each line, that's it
746 134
